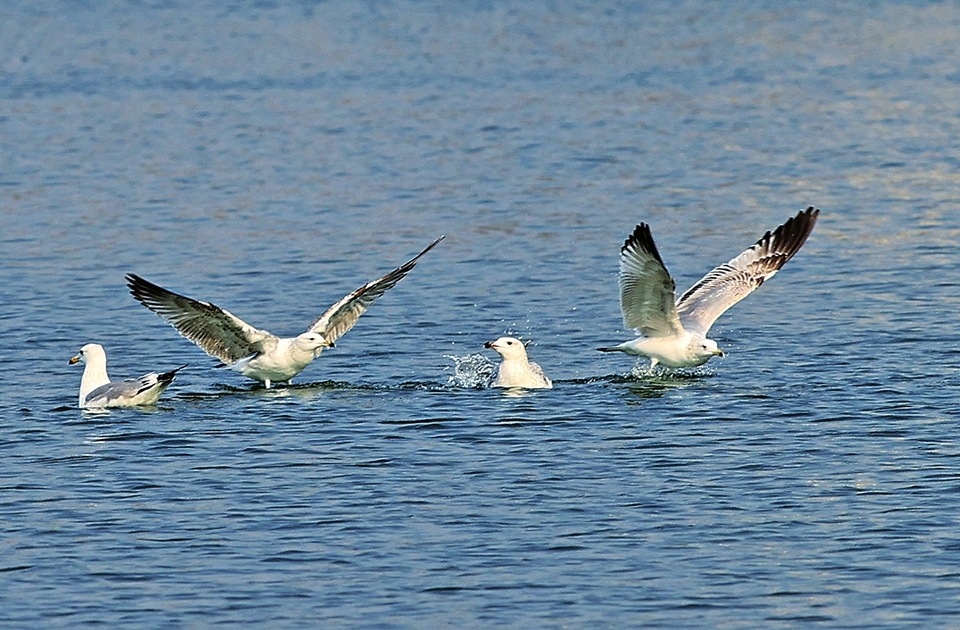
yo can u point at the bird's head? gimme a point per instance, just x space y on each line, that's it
88 351
311 342
706 349
508 347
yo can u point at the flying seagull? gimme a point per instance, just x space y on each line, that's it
516 370
256 353
674 332
97 390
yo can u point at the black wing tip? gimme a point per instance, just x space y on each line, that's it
804 221
788 238
140 287
405 268
153 296
805 218
133 282
642 238
414 260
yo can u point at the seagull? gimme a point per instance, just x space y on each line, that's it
674 332
256 353
516 370
97 390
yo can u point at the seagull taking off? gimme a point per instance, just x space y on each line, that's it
97 390
256 353
674 332
516 370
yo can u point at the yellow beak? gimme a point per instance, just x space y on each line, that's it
75 359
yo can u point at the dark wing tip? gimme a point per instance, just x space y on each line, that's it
787 239
414 260
133 280
365 296
388 280
642 239
405 268
431 245
142 289
157 299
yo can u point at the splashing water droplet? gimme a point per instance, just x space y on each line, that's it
473 370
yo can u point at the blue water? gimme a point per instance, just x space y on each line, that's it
271 157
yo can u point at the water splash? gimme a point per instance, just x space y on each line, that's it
473 370
641 372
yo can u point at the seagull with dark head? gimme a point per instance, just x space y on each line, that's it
256 353
673 332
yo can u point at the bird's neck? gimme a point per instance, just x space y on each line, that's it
302 357
94 375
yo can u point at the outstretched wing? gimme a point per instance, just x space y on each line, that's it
729 283
647 292
341 317
217 331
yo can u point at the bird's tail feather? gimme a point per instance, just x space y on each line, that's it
167 377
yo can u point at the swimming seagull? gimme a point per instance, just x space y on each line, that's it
256 353
674 332
516 370
97 390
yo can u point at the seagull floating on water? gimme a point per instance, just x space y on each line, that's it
256 353
516 370
674 332
97 390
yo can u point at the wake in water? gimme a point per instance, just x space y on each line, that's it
641 372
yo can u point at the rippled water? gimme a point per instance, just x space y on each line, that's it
271 157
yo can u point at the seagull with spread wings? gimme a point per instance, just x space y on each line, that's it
674 332
256 353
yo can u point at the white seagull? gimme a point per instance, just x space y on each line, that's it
256 353
97 390
516 370
674 332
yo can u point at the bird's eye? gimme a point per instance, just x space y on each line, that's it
509 343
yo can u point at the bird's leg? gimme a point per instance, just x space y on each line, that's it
266 383
653 364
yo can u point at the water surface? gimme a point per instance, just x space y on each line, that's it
270 158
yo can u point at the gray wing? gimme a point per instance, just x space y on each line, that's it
117 391
536 369
120 390
341 317
729 283
647 292
217 331
126 391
